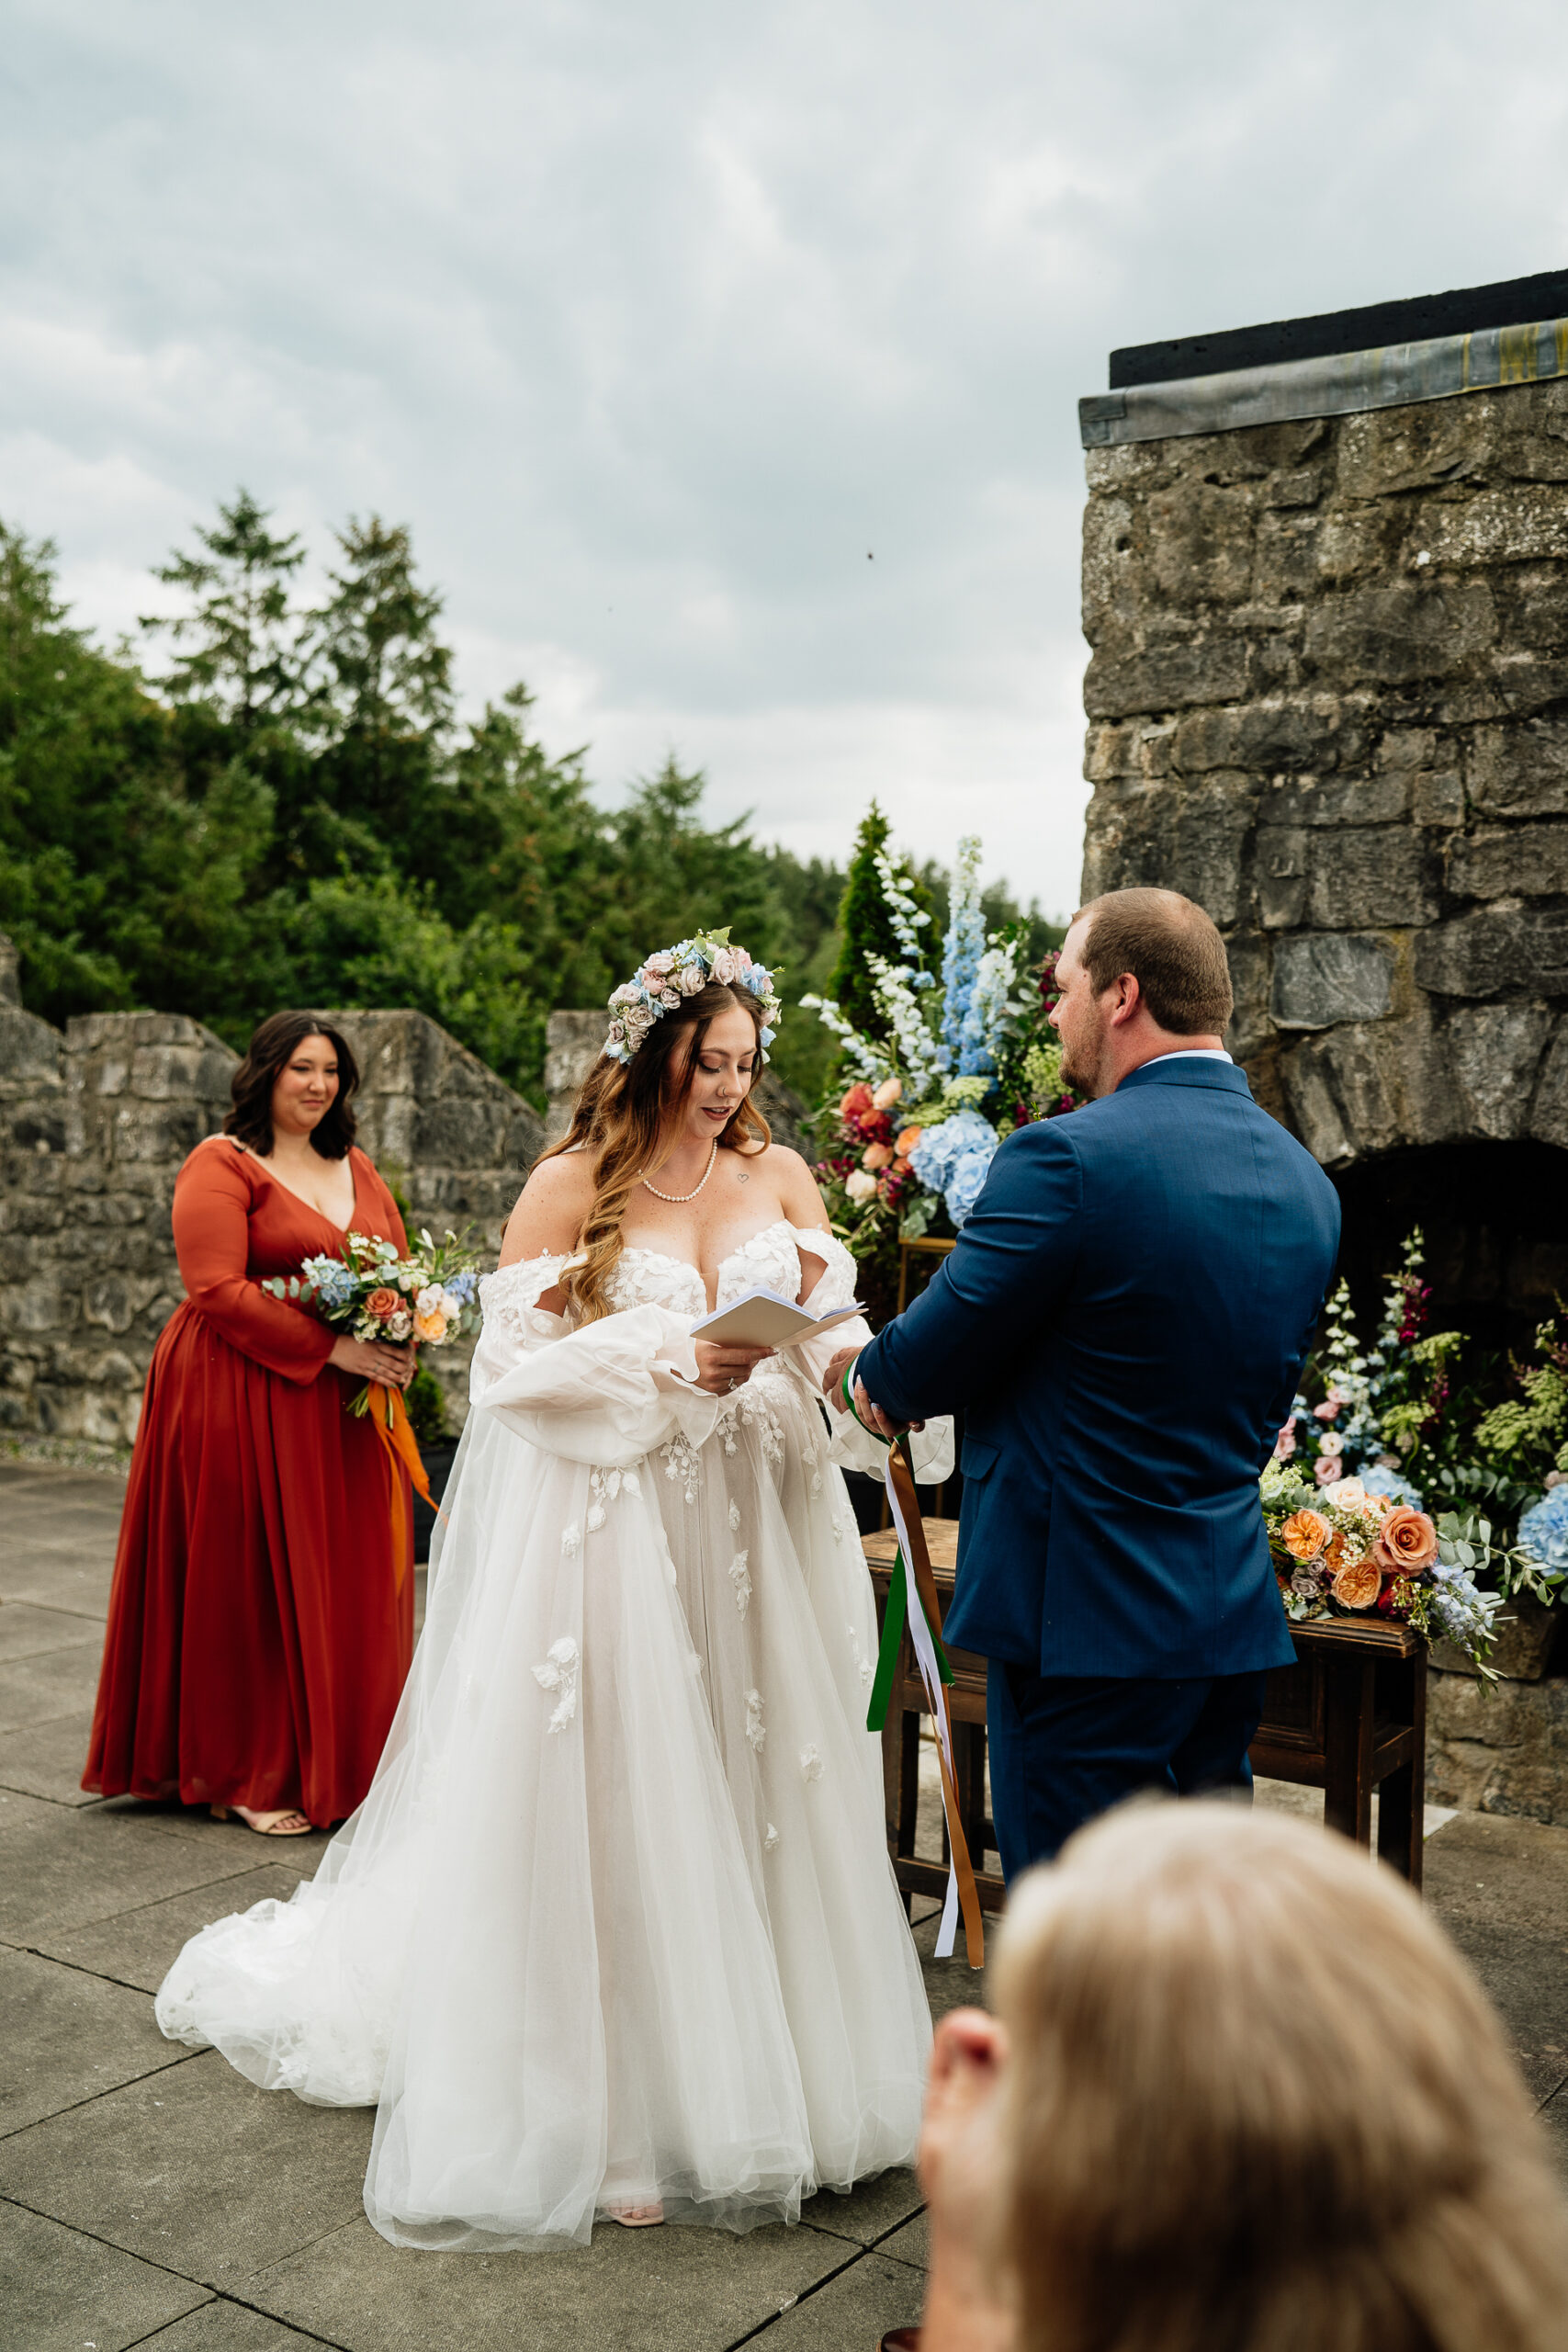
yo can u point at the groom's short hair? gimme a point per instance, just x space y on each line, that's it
1173 951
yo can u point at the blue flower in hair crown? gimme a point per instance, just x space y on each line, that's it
663 980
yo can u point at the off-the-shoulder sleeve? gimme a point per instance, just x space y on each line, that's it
211 1219
515 1323
606 1394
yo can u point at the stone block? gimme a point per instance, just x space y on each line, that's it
1549 1112
1380 798
1520 771
573 1042
1365 879
113 1300
1504 1750
1438 798
1168 677
1497 951
1389 1082
1496 1050
1355 541
1429 444
1314 1113
1401 632
159 1132
457 1133
1323 978
1279 876
1519 861
1312 731
1284 559
1509 525
31 1054
1200 543
1250 956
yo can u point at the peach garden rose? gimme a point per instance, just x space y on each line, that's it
1407 1541
1358 1584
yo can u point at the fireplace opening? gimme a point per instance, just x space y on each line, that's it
1495 1220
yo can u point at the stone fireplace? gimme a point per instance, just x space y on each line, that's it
1326 587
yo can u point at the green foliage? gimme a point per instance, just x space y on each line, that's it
426 1408
291 814
865 929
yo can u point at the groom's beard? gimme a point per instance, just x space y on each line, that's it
1081 1064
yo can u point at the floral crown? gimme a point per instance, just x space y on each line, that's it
661 982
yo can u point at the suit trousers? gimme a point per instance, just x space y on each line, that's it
1066 1747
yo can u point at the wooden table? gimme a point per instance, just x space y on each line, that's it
1349 1717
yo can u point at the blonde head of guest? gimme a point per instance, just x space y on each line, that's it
1255 2102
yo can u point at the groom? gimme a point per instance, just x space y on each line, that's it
1124 1320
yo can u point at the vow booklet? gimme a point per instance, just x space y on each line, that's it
761 1318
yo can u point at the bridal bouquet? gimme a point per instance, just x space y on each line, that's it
370 1293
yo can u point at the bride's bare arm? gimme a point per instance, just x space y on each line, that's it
548 1217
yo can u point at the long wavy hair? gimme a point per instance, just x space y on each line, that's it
619 1115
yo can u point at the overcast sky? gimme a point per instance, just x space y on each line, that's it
722 358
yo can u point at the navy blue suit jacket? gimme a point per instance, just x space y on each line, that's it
1124 1320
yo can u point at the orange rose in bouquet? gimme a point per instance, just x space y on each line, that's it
1358 1584
1407 1541
1304 1534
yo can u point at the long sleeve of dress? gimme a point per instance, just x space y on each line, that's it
211 1219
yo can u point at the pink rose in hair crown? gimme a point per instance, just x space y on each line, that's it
742 960
661 963
725 968
693 980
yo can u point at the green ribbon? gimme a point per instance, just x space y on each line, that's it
895 1614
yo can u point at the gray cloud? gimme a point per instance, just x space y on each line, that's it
654 322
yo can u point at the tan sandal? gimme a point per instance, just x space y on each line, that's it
273 1825
636 2217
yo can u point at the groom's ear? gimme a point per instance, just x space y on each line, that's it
1126 999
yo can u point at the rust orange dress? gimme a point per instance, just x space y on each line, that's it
261 1620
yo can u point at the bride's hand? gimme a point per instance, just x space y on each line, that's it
833 1379
720 1369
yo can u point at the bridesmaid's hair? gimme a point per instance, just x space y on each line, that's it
271 1050
1255 2101
616 1120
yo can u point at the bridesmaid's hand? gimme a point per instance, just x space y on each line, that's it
373 1359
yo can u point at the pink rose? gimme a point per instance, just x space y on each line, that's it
661 963
1328 1410
1326 1469
691 979
1285 1443
725 968
742 960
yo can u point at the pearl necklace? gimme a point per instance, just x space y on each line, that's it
680 1199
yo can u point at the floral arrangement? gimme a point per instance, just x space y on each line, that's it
659 985
962 1062
370 1293
1349 1547
1401 1423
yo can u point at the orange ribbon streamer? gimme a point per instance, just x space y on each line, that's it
396 1432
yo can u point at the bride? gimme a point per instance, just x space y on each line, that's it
614 1930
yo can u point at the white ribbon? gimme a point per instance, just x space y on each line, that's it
925 1656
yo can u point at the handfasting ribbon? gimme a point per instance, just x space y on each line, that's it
912 1600
391 1416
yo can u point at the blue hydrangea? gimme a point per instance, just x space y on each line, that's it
936 1157
462 1286
336 1282
1543 1531
968 1178
1377 1481
953 1158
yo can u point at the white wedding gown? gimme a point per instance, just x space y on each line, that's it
615 1920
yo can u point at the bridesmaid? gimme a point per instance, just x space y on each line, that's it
261 1620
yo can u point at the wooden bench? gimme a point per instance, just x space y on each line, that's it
1349 1717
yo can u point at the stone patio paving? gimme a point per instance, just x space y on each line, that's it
149 2195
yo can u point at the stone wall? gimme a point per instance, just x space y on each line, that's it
94 1125
1330 700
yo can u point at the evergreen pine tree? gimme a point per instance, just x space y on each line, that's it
241 646
865 927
